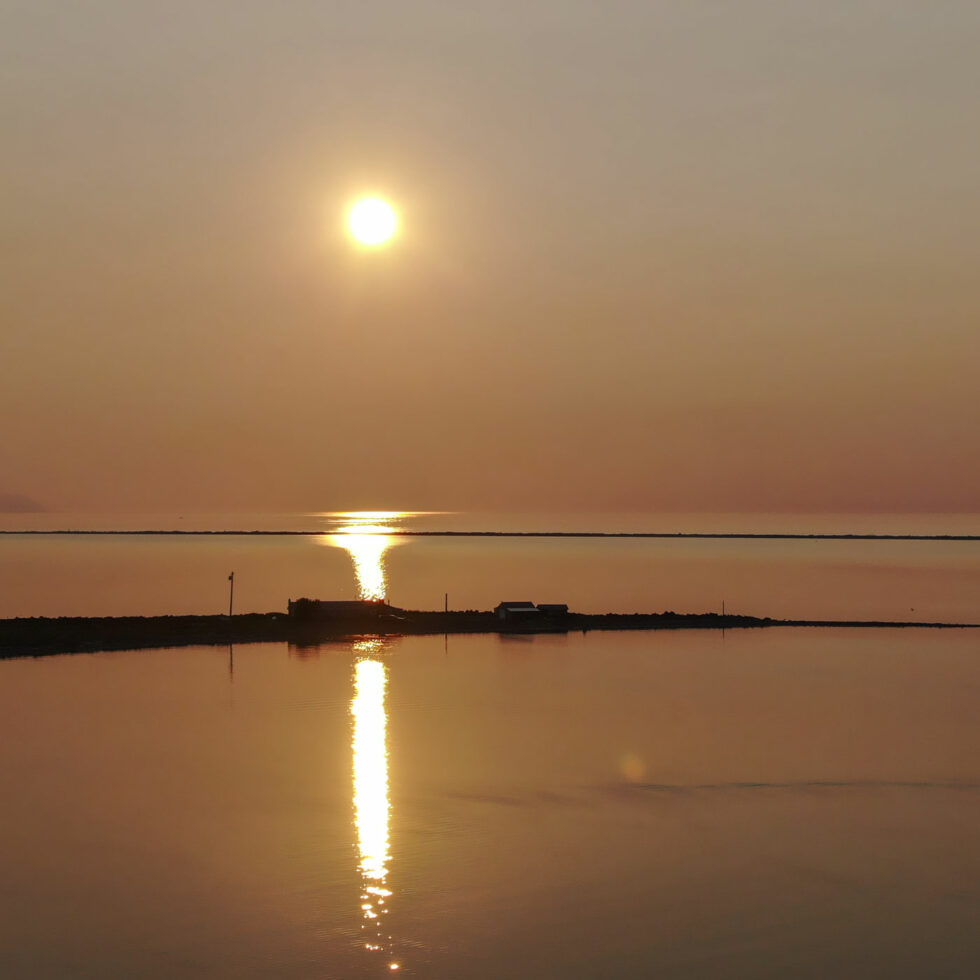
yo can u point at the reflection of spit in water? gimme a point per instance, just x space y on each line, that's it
815 784
371 806
636 792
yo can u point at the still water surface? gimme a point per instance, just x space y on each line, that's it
781 803
354 554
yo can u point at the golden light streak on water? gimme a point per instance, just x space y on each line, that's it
354 518
362 535
367 551
372 810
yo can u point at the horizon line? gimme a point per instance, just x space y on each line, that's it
740 535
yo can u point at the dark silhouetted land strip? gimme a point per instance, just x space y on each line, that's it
27 637
735 535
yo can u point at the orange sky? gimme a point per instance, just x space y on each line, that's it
654 256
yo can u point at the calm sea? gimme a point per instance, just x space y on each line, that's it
777 803
351 554
764 803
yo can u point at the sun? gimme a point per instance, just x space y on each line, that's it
372 221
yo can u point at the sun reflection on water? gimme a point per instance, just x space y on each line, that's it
366 536
371 807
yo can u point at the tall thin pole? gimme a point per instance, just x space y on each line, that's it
231 593
447 602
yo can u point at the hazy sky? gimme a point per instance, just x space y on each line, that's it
655 255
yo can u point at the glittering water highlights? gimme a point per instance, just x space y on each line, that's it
367 551
371 806
795 803
366 540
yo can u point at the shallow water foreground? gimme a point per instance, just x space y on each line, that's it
760 804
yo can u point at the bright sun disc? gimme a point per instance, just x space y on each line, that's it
372 221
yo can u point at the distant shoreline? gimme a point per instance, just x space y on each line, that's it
400 533
42 636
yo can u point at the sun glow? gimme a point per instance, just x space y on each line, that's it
372 221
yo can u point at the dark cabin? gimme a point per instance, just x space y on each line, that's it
516 611
553 608
319 610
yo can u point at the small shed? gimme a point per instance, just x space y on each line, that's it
553 608
512 611
319 610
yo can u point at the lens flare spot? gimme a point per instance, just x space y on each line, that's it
632 768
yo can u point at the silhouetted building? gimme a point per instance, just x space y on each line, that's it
319 610
553 608
516 611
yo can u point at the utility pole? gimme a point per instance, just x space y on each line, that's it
231 593
447 602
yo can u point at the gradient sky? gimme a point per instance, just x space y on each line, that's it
681 256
